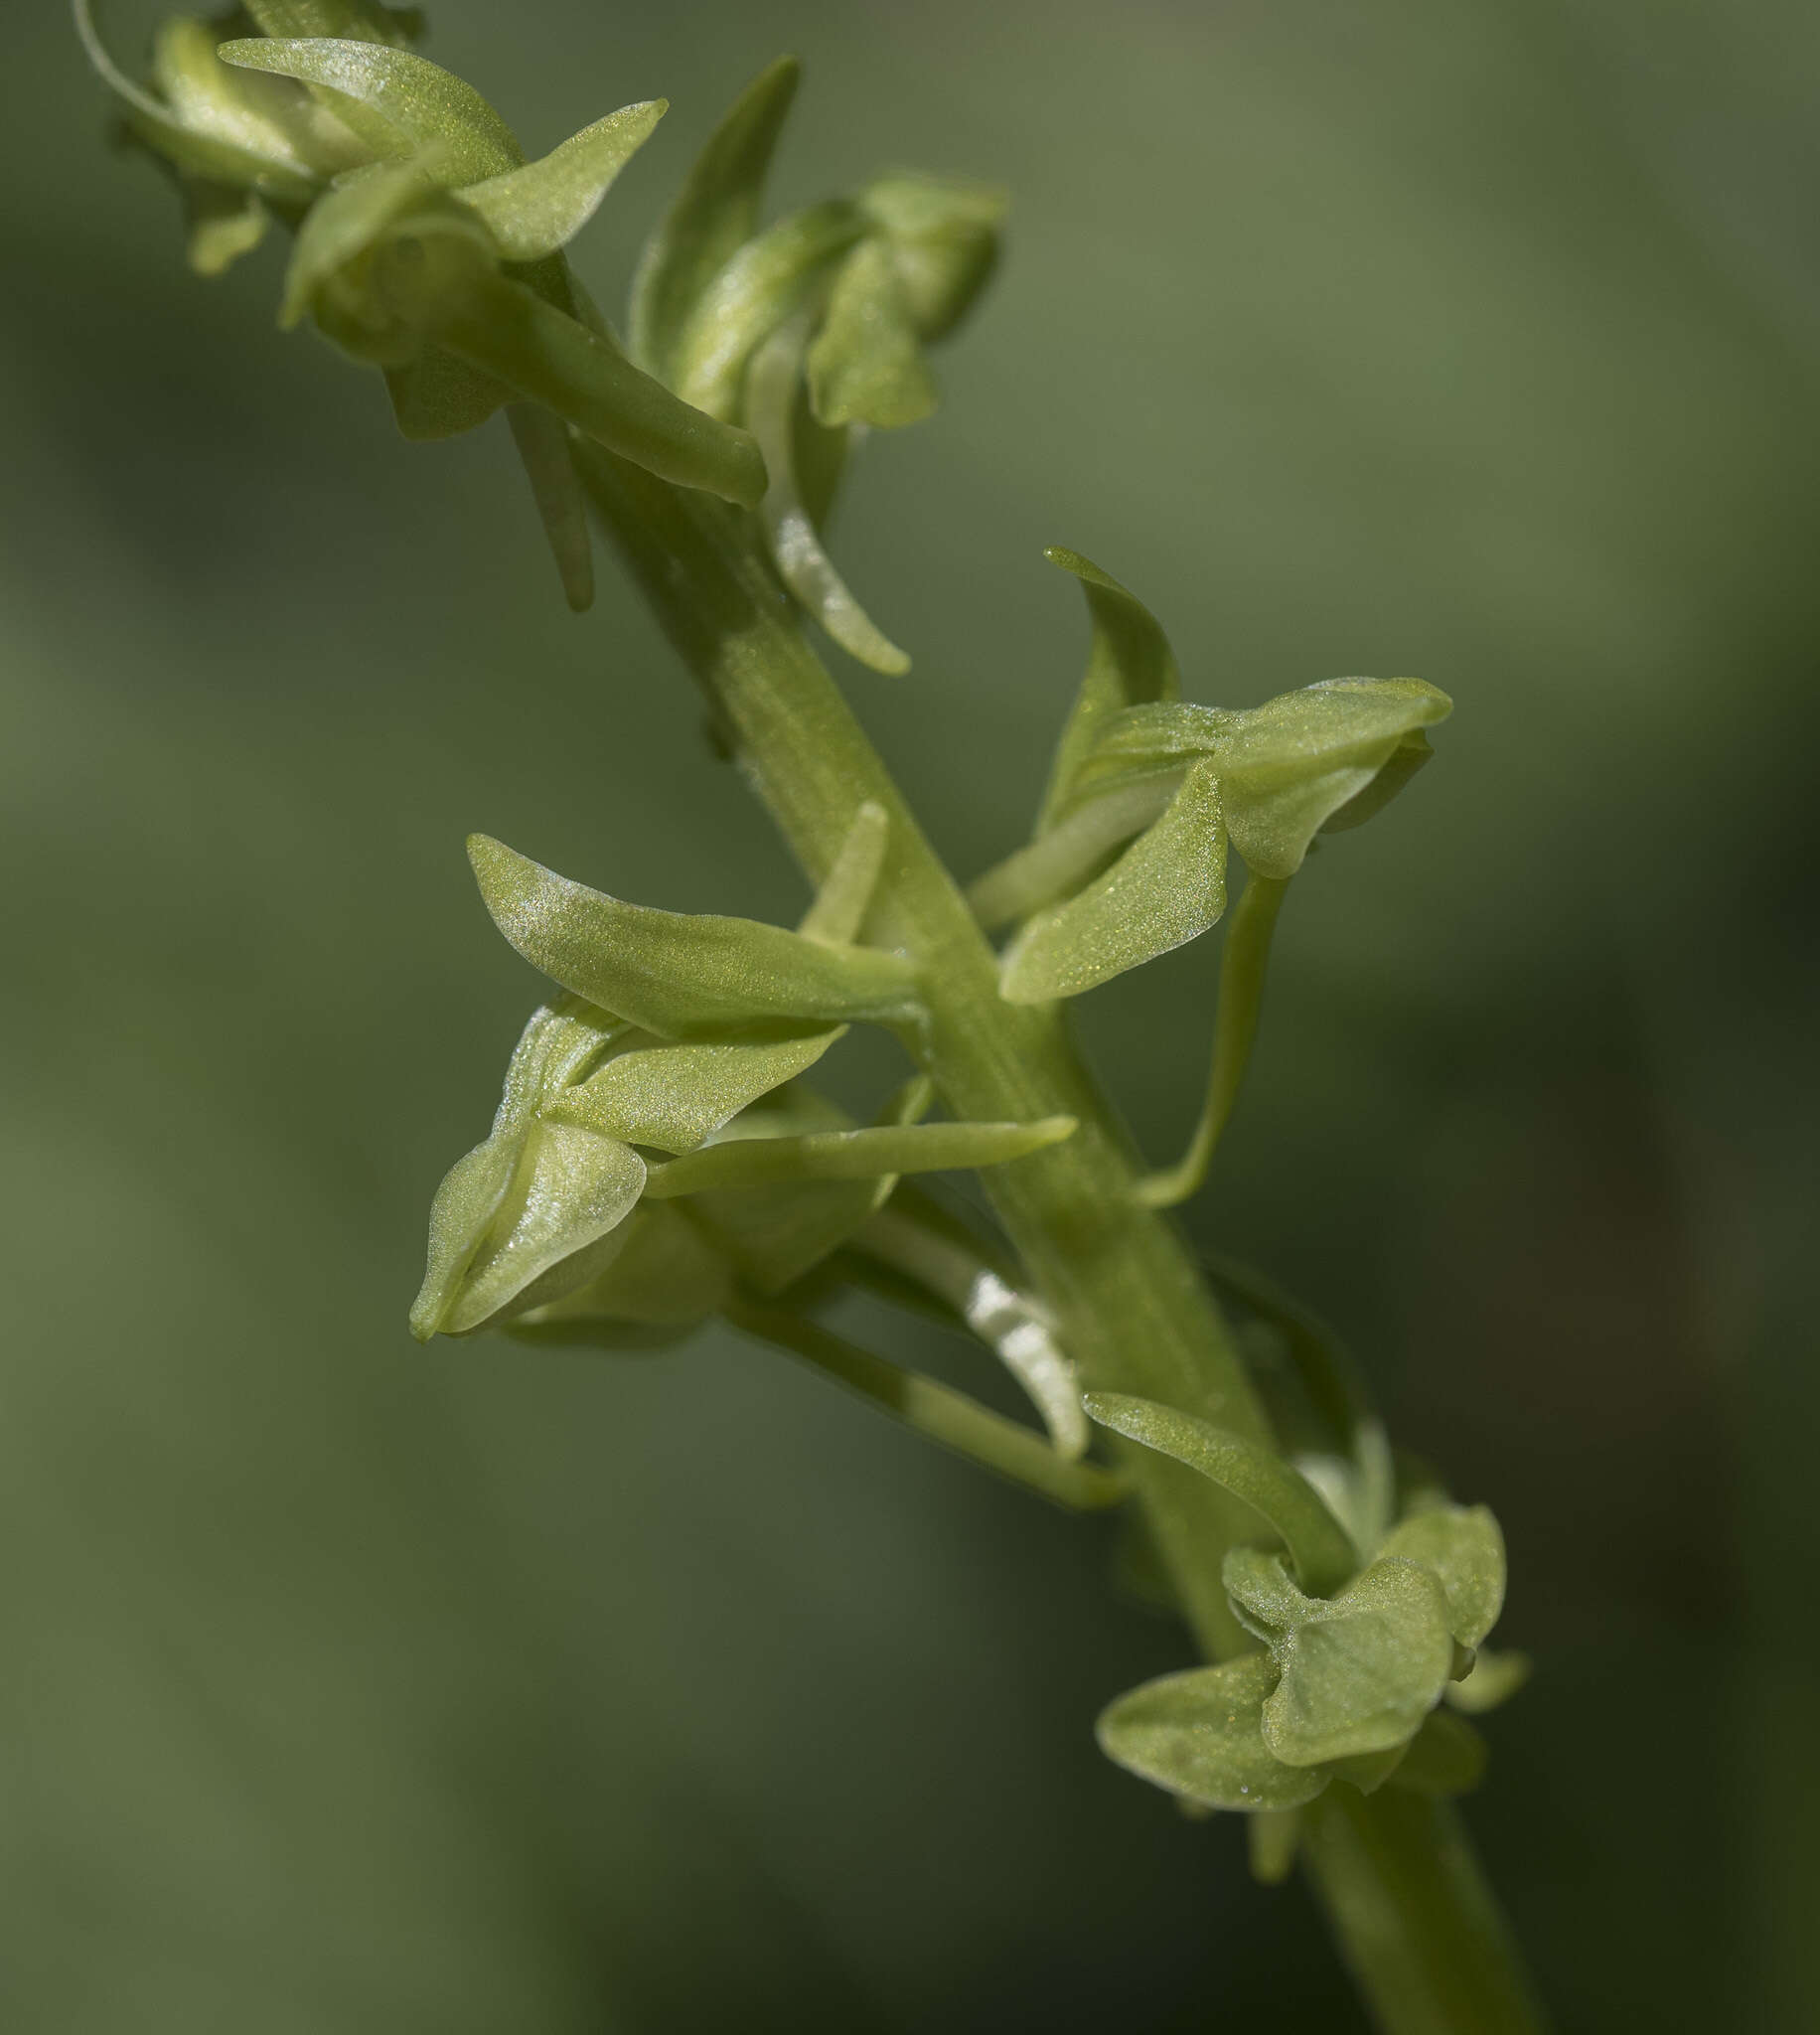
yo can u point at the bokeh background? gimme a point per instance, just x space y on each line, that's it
354 1687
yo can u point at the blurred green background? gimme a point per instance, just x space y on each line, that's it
357 1687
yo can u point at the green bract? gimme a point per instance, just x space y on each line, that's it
1360 1643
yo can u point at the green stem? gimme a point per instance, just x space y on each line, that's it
1130 1302
1417 1923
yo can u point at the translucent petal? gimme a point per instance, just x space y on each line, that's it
683 977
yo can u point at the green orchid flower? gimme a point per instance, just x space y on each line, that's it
1365 1625
669 1072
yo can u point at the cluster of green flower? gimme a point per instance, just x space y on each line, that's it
1372 1605
427 244
657 1158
